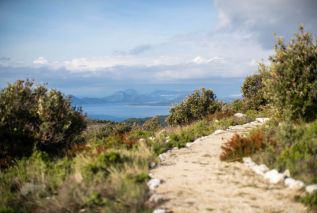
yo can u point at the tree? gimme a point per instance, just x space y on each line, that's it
252 91
152 124
196 106
35 117
291 78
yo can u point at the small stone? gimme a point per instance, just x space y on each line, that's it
248 162
159 211
260 169
263 168
155 198
218 131
274 177
239 115
311 188
153 183
189 145
294 184
152 165
287 173
175 148
162 157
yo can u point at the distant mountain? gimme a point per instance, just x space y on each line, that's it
159 97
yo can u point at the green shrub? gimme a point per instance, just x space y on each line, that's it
35 117
291 78
310 200
299 154
294 147
152 124
237 105
252 91
196 106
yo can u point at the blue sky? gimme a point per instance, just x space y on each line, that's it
92 48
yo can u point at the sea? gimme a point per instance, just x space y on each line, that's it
120 112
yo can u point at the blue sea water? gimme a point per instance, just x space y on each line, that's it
120 112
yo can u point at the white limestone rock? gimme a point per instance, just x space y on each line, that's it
239 115
248 162
287 173
311 188
274 177
175 148
153 183
218 131
189 145
260 169
294 184
152 165
159 211
162 157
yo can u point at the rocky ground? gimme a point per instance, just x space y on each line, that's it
193 179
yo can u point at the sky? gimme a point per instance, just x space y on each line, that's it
93 48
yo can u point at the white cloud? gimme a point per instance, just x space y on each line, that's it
265 17
201 60
40 61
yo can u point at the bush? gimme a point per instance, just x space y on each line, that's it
291 78
310 200
152 124
239 146
252 91
196 106
294 148
299 153
33 117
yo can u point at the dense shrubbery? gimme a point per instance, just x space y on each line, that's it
291 78
112 181
33 117
152 124
252 91
196 106
295 148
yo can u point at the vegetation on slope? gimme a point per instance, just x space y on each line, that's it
50 162
287 87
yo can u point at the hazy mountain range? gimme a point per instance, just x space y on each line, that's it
132 97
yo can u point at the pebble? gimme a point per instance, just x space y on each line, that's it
159 211
152 165
189 145
239 115
294 184
311 188
274 177
153 183
218 131
162 157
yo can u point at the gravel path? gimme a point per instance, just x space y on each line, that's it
195 180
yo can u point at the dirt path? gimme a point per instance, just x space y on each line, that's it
195 180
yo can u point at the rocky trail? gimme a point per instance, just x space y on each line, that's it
193 179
